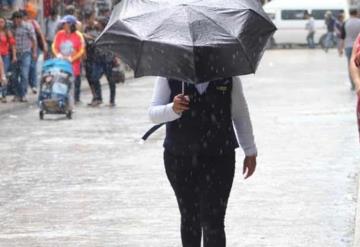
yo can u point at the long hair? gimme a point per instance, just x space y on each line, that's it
5 27
73 28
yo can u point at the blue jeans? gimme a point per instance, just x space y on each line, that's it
100 69
77 88
33 71
330 40
310 40
22 73
6 61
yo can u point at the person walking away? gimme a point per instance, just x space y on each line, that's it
7 51
330 38
350 31
310 27
103 65
355 75
69 44
51 26
91 32
25 51
41 44
339 26
199 150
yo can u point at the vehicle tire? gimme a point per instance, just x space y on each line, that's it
69 114
41 115
271 44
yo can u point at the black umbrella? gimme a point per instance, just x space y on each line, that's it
188 40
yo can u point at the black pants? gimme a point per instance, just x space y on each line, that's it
202 187
77 88
98 69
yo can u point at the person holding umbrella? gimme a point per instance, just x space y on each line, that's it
197 50
200 148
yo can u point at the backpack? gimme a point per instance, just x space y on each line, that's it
38 36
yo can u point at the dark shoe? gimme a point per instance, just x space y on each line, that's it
23 100
3 100
16 99
96 103
34 90
112 104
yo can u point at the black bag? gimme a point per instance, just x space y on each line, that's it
39 41
118 75
38 37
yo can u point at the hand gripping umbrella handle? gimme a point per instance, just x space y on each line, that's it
156 127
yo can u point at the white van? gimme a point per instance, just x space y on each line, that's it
289 18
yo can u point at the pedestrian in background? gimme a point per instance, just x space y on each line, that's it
310 27
51 26
30 15
91 32
7 45
349 33
199 153
69 44
26 50
330 38
7 54
339 26
103 64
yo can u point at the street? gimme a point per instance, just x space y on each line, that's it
90 181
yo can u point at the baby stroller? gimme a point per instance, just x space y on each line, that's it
55 86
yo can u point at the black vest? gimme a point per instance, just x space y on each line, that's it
205 129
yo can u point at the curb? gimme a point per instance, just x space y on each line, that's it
13 107
356 242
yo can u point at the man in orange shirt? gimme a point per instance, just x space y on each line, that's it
69 44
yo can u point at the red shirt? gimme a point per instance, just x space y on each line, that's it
6 41
70 45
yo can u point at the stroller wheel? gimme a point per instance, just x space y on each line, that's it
69 114
41 115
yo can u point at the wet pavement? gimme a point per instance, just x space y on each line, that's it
90 182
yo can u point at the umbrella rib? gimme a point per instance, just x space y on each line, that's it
139 57
228 32
192 39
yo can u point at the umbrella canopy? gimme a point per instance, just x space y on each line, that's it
188 40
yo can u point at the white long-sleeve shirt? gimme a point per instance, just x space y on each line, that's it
161 111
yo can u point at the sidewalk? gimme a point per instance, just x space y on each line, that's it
6 108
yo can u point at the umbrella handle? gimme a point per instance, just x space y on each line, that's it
183 88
